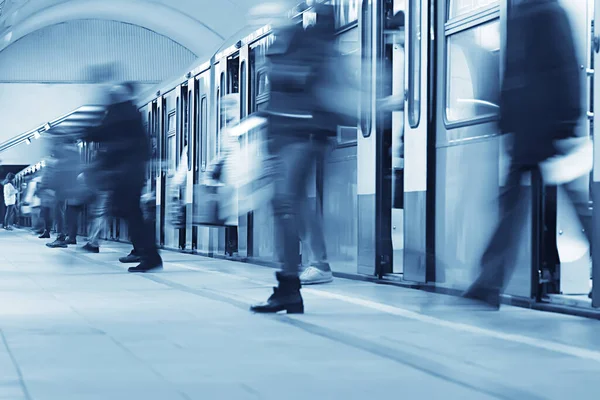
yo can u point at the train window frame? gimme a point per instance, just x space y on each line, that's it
415 14
203 132
367 42
243 90
473 12
342 139
464 24
171 135
189 134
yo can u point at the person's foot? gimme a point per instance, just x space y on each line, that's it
488 297
131 258
148 266
45 235
8 228
316 273
285 297
90 248
60 242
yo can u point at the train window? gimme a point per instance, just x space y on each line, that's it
346 12
203 130
171 144
366 68
218 130
414 64
461 7
473 73
243 91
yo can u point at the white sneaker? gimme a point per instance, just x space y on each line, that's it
313 275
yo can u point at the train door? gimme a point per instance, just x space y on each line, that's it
467 150
564 267
170 99
186 102
201 153
244 233
233 87
158 162
260 221
595 186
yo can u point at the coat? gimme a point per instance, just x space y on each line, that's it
541 95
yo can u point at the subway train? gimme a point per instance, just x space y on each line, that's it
407 195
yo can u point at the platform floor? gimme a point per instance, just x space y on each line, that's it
78 326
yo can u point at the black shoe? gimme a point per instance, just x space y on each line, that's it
131 258
486 296
285 297
45 235
70 240
58 243
90 248
147 266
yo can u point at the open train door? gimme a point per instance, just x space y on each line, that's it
595 186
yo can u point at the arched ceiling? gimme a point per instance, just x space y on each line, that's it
199 25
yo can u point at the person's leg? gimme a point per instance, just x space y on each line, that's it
59 215
498 260
318 271
73 212
99 213
295 158
140 232
45 215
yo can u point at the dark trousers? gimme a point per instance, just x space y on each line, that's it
72 219
46 217
499 259
140 229
9 216
295 158
59 218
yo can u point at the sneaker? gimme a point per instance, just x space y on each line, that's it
90 248
314 275
131 258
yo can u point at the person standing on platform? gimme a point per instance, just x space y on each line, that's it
125 153
299 132
540 105
10 199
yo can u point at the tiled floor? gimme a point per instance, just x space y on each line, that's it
77 326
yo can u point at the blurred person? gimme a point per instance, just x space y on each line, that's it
10 200
540 105
124 152
47 196
32 200
299 133
63 180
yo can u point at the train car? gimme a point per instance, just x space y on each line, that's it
406 195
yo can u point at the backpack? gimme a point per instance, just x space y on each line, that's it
309 91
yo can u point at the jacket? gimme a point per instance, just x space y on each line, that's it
541 96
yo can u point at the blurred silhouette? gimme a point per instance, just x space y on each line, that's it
120 169
301 121
541 106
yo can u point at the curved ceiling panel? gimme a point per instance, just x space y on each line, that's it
190 33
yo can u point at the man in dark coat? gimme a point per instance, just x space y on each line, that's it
124 150
540 104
